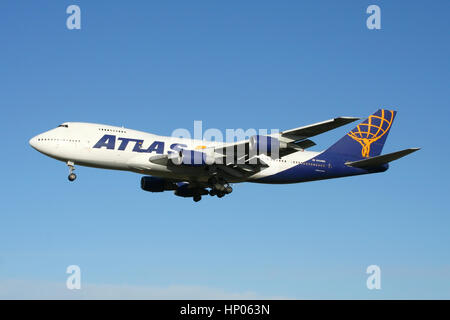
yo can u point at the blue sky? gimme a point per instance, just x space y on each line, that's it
158 66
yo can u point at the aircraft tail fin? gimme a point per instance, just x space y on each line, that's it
368 138
381 160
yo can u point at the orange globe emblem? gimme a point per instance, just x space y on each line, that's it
373 129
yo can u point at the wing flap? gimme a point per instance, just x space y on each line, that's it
301 145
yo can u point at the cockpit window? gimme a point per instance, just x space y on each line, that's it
63 126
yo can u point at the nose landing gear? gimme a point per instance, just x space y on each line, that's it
72 176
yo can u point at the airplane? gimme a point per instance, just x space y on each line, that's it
194 168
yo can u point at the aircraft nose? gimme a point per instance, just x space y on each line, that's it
33 142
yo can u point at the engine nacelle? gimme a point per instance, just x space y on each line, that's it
265 145
185 191
191 158
154 184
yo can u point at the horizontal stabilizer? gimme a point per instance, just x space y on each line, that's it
380 160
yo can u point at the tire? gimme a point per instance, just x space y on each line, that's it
72 177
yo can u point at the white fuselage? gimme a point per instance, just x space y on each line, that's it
130 150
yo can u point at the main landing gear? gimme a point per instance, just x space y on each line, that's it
219 187
72 176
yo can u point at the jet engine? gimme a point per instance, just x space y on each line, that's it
154 184
186 191
265 145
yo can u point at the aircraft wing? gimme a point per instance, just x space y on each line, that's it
243 163
237 160
294 139
312 130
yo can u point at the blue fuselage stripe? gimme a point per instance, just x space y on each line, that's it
330 166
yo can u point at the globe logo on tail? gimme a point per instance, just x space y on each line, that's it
371 130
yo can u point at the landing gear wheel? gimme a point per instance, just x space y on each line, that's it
219 187
72 176
197 198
